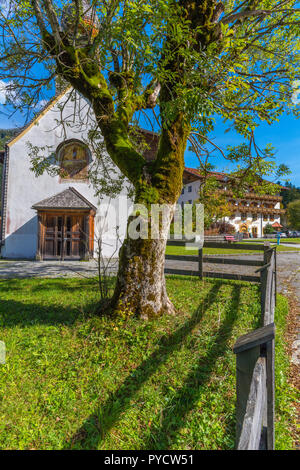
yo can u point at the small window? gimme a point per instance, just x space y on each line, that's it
182 191
74 159
190 189
190 201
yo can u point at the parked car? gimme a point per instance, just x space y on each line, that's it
293 234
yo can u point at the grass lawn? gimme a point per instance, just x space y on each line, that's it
181 250
76 380
272 240
290 240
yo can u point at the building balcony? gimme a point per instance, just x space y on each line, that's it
255 210
259 197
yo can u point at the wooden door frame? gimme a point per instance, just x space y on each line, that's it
88 224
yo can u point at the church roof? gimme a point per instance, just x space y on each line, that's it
23 130
67 199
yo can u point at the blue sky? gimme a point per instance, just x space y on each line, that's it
283 135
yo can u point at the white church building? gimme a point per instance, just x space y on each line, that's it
58 216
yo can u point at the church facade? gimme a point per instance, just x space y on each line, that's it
57 216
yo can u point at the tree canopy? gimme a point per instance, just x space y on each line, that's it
233 59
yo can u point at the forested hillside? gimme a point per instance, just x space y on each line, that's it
5 135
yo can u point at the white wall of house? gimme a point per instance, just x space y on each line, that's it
25 189
189 193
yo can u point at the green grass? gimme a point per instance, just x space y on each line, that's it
181 250
272 240
290 240
76 380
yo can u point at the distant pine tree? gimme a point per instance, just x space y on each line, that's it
290 194
5 135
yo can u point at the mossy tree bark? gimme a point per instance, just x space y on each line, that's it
141 287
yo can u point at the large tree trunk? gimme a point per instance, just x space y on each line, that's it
141 287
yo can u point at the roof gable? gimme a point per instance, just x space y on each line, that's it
67 199
38 116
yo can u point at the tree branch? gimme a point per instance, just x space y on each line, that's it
52 19
253 13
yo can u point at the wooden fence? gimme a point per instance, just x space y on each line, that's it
200 259
255 352
255 369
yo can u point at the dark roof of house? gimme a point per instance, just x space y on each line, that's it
67 199
151 139
218 175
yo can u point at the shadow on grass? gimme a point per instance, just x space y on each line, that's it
45 284
184 401
13 313
98 424
44 308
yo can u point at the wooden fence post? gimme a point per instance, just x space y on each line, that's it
248 349
200 262
245 363
268 300
264 279
275 274
252 437
270 353
270 417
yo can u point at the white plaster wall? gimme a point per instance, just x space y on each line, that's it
25 189
190 195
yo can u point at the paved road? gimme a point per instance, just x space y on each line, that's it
289 284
